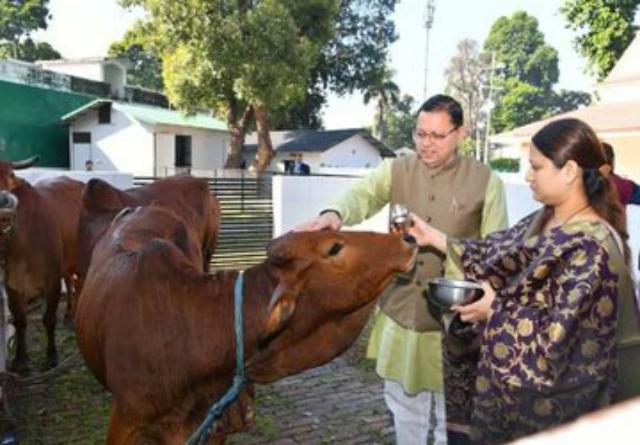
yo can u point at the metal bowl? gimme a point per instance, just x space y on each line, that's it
442 293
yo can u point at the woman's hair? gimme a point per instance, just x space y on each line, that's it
573 140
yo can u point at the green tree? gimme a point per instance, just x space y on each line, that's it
29 51
145 66
528 70
386 93
348 62
605 29
400 119
466 77
18 19
239 57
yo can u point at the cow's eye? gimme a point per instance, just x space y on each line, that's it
335 249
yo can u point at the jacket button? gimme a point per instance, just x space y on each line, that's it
428 219
432 197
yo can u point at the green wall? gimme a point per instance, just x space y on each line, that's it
30 123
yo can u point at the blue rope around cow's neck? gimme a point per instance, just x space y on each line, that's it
202 434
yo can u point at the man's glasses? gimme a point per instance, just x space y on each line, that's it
432 135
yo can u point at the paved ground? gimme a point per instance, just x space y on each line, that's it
336 403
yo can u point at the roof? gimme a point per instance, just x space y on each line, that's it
628 66
83 60
314 140
151 115
602 117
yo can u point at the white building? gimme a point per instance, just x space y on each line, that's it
109 70
323 150
614 117
144 140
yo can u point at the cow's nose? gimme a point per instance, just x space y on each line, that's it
409 239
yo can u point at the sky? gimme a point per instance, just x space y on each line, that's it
81 28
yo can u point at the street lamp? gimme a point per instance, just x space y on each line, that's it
490 104
488 107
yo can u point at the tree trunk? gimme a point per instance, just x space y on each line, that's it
382 131
237 133
265 148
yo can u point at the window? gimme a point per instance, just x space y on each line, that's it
104 113
81 137
183 151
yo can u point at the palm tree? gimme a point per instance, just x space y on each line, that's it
386 92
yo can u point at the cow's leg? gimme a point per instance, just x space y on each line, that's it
18 308
50 319
69 284
119 432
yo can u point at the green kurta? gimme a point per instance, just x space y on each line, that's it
405 355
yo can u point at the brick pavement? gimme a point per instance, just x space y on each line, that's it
332 404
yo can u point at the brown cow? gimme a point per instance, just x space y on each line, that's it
189 198
158 333
41 251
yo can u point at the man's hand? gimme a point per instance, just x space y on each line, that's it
425 234
328 220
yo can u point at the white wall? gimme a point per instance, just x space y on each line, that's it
298 198
89 70
116 76
208 148
354 152
122 145
116 179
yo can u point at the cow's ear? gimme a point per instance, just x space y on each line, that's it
100 196
281 308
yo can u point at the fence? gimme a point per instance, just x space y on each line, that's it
246 223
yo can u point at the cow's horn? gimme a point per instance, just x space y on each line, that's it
25 163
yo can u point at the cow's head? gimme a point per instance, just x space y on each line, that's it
327 284
8 180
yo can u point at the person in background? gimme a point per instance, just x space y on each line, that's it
88 165
558 309
628 191
454 193
299 167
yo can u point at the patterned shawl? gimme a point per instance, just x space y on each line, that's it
548 350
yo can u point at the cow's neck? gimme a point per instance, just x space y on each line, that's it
304 343
260 282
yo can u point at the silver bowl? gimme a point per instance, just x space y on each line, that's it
442 293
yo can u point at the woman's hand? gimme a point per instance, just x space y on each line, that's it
481 309
425 234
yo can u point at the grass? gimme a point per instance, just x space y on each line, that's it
63 406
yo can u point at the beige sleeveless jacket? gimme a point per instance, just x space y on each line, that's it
451 198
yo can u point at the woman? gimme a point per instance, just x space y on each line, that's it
558 305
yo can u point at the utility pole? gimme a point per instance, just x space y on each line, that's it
489 106
428 24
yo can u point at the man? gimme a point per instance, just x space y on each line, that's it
459 196
88 165
299 167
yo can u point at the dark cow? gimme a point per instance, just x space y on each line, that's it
41 251
187 196
158 333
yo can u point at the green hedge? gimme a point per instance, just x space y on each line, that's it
505 164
